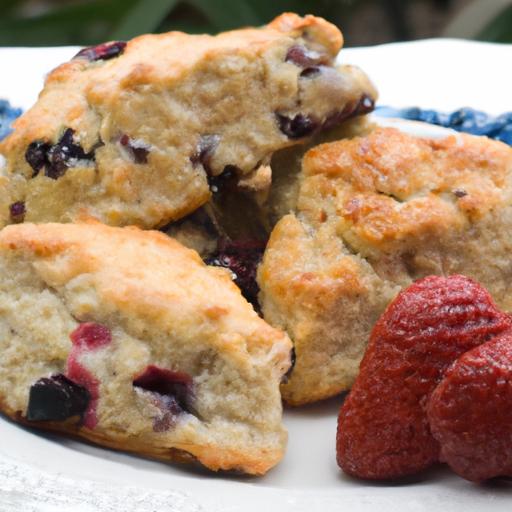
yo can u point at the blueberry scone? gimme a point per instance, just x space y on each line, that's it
374 214
127 339
143 132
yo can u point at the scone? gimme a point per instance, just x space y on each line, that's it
125 338
144 132
373 214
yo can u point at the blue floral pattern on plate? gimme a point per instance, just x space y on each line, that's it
7 115
463 120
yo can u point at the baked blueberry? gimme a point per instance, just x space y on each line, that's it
17 211
56 398
305 57
36 155
63 155
242 257
171 392
296 126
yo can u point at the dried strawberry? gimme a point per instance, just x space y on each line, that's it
383 430
470 412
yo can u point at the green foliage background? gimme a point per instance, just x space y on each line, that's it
88 22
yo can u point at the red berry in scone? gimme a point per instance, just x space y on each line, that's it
383 430
86 338
470 411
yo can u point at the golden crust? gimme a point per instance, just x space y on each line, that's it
164 307
391 186
373 214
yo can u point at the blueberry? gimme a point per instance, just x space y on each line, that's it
56 398
310 72
170 391
103 51
364 105
57 158
204 151
304 57
60 154
242 258
17 211
297 126
36 156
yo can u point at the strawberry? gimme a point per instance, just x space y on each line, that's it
383 431
470 411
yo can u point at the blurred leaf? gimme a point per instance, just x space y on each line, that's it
6 6
84 23
228 14
269 9
88 22
500 29
145 16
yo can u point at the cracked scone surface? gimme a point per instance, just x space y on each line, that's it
134 133
155 352
375 213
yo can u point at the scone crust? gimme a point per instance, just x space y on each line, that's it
373 214
147 289
165 95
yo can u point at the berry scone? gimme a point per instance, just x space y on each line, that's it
374 214
127 339
143 132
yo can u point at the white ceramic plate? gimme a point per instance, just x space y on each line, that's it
40 473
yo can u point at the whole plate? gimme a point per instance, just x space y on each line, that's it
40 473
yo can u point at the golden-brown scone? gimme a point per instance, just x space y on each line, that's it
125 338
143 132
375 213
